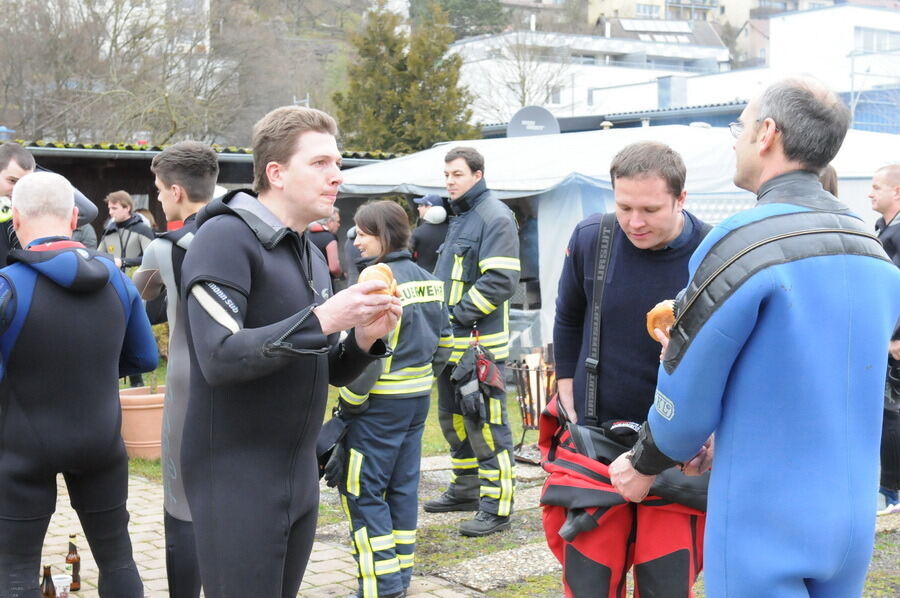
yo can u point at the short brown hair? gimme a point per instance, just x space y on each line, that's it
474 159
10 151
123 198
649 158
192 165
387 221
275 137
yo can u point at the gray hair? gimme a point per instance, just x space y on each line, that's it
43 194
813 120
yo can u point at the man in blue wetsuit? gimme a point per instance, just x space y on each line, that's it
59 408
778 348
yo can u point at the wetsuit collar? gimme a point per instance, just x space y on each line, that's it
244 204
470 198
52 243
799 187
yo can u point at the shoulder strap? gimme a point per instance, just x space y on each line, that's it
592 363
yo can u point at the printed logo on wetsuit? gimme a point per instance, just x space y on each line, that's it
325 293
664 406
221 295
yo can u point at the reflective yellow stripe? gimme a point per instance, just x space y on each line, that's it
500 263
406 560
488 435
385 542
351 397
481 302
396 387
446 341
354 467
408 373
469 463
489 474
404 536
421 291
366 562
497 342
345 507
507 483
496 409
392 343
459 426
387 566
456 291
489 491
457 271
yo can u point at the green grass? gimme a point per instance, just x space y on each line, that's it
147 468
433 442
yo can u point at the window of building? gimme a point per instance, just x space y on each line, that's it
647 11
876 40
584 59
554 94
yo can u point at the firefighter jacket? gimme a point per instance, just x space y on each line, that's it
420 343
479 264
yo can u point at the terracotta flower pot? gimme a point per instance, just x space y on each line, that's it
142 416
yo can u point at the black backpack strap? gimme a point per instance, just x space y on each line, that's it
592 363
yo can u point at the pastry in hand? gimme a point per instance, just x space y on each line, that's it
380 272
662 316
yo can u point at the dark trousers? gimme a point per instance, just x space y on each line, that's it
890 451
380 490
480 452
107 535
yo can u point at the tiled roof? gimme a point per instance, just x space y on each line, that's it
221 149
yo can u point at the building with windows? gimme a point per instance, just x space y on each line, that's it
564 72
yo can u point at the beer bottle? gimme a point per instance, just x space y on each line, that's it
73 564
48 590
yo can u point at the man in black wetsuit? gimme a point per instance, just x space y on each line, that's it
185 178
263 331
15 163
54 298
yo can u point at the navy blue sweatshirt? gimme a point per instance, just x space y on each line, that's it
637 280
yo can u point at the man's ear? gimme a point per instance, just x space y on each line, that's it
73 221
767 134
273 173
178 193
16 218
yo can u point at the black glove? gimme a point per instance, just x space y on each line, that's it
471 403
334 468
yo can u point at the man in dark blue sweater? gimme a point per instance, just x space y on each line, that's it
653 240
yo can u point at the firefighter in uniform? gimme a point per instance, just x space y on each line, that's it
479 265
387 406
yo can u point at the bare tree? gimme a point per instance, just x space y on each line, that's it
517 72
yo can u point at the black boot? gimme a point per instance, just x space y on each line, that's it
448 501
484 524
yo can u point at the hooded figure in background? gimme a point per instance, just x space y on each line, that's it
430 233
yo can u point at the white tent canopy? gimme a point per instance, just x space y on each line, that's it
566 178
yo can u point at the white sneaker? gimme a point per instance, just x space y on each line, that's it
889 509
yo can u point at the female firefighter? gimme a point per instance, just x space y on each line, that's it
387 406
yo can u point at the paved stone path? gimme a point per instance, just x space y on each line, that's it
331 572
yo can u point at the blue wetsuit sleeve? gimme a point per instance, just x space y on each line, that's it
139 350
688 403
571 303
